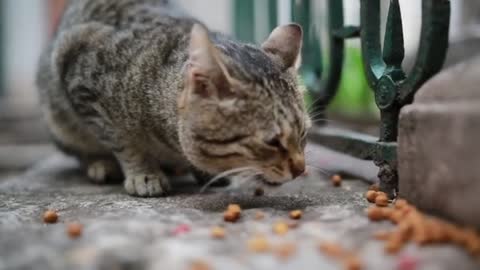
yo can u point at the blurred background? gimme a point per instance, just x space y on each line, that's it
26 26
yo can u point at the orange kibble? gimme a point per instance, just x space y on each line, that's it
296 214
280 228
381 200
396 216
382 235
74 229
199 265
218 232
375 213
336 180
371 195
258 244
394 244
400 203
230 216
285 251
234 208
331 249
50 216
352 263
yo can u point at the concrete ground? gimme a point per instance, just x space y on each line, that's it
124 232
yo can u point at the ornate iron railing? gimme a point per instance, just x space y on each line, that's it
2 52
393 88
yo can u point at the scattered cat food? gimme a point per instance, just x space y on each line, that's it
259 215
414 226
336 180
258 244
181 229
331 249
371 195
218 232
348 259
374 187
381 235
293 224
296 214
50 216
259 191
375 213
74 230
381 200
352 262
285 250
199 265
233 213
280 228
400 204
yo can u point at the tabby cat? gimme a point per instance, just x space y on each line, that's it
131 86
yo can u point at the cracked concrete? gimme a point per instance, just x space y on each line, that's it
123 232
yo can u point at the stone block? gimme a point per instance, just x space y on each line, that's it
439 145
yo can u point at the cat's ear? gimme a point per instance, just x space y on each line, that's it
206 75
285 44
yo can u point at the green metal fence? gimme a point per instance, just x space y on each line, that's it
392 87
2 51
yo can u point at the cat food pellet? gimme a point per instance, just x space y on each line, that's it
74 230
296 214
280 228
234 208
259 215
258 244
381 201
394 243
233 213
259 191
199 265
382 235
230 216
375 213
336 180
331 249
218 232
352 263
374 187
400 203
371 195
50 216
285 251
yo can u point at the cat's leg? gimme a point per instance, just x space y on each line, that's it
143 175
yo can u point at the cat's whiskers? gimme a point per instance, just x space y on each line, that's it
323 171
225 174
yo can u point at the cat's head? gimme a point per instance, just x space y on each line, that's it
242 105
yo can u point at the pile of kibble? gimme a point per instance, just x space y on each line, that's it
414 226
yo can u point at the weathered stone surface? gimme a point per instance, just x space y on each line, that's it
439 147
123 232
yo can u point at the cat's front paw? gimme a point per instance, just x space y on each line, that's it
147 185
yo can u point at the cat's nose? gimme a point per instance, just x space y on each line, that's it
297 165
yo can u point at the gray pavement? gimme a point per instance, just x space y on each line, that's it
123 232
